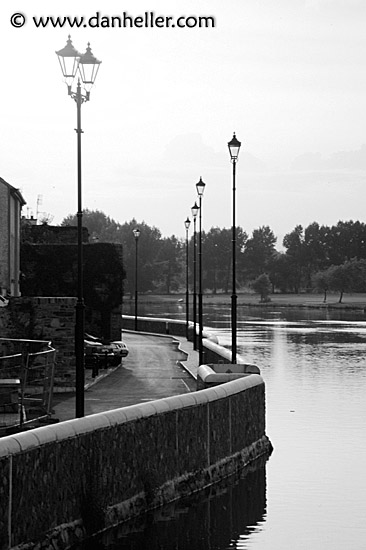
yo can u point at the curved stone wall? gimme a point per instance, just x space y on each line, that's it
61 483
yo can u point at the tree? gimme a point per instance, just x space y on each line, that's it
280 273
100 226
259 250
294 242
315 250
346 240
262 286
217 257
321 281
169 263
320 247
349 276
148 251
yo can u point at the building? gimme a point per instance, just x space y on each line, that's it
11 202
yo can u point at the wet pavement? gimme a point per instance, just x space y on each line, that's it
156 367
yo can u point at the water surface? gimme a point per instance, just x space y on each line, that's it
310 495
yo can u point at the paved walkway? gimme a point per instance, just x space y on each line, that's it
156 367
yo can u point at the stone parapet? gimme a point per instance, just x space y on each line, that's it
214 374
85 475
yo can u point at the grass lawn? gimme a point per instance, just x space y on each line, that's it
350 301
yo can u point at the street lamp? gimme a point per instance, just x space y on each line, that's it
234 148
72 62
194 211
187 223
200 186
136 234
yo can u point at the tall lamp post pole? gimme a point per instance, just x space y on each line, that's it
72 62
136 233
200 186
187 223
194 211
234 147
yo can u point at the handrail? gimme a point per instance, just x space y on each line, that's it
33 354
25 340
35 370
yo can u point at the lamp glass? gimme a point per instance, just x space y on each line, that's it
136 233
194 210
200 186
88 67
187 223
69 61
234 147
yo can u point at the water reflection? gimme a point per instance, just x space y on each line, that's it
313 364
217 517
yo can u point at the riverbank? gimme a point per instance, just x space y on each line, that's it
349 301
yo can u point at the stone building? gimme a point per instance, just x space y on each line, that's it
11 202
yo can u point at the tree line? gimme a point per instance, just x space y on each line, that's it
317 257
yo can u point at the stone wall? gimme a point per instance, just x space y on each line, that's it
156 325
212 351
53 319
87 474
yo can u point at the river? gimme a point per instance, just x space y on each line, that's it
311 492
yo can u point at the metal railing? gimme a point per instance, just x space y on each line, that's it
26 385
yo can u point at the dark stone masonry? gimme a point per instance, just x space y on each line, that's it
88 474
53 319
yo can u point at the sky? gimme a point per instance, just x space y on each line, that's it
288 76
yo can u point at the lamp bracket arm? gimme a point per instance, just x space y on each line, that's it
79 97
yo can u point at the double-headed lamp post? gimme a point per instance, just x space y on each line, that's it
136 234
194 211
234 148
187 223
86 66
200 186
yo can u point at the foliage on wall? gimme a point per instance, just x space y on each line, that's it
51 270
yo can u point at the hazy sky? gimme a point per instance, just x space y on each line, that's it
288 76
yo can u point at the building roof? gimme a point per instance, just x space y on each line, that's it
14 192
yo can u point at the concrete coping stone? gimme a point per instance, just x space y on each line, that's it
90 423
26 440
231 387
162 406
176 402
237 368
222 373
114 416
9 446
156 319
220 350
45 434
191 399
140 410
21 442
